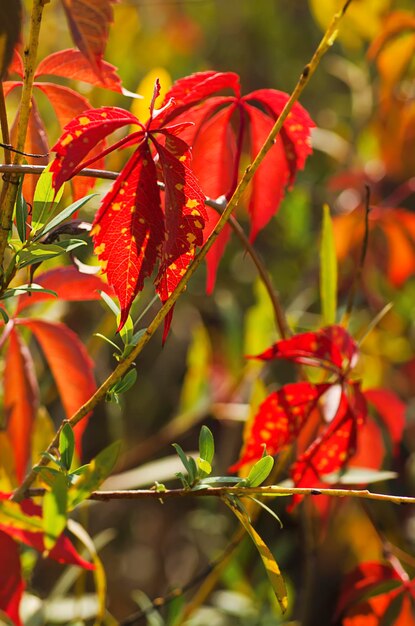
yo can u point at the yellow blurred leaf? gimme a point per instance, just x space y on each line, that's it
362 21
8 479
140 108
196 381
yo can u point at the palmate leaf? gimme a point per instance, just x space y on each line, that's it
89 22
131 230
280 419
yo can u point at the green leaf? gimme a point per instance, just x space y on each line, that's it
67 446
127 331
270 564
125 383
328 270
98 470
267 509
259 472
205 467
65 214
21 213
206 444
110 303
44 200
18 291
12 515
188 462
38 252
55 511
4 315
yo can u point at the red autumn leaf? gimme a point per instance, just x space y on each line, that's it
330 348
68 283
128 231
391 410
11 582
63 551
70 364
355 608
131 231
20 400
370 451
280 164
73 65
280 419
333 448
89 22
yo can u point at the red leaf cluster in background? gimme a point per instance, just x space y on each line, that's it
68 361
66 103
326 419
222 126
355 608
132 230
11 581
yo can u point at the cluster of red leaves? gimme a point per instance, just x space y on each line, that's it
68 361
394 605
221 127
65 102
326 419
132 229
11 581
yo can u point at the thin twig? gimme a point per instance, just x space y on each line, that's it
30 54
240 492
125 365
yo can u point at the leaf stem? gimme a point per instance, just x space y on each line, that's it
121 369
30 54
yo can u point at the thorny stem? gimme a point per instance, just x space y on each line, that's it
121 369
30 54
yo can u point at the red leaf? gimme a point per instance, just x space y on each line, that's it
69 363
391 410
20 400
280 419
336 444
89 22
70 285
359 581
295 133
63 551
185 216
9 85
16 65
192 89
81 135
73 64
266 196
11 582
370 449
331 348
128 229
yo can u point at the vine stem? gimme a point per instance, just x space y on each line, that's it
121 369
240 492
30 54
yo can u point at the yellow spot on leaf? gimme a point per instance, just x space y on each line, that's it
66 140
191 204
84 120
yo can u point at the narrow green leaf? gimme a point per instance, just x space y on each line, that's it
270 564
67 446
65 214
259 472
21 213
206 444
55 511
18 291
184 459
4 315
44 200
328 270
38 252
98 470
110 303
267 509
125 383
